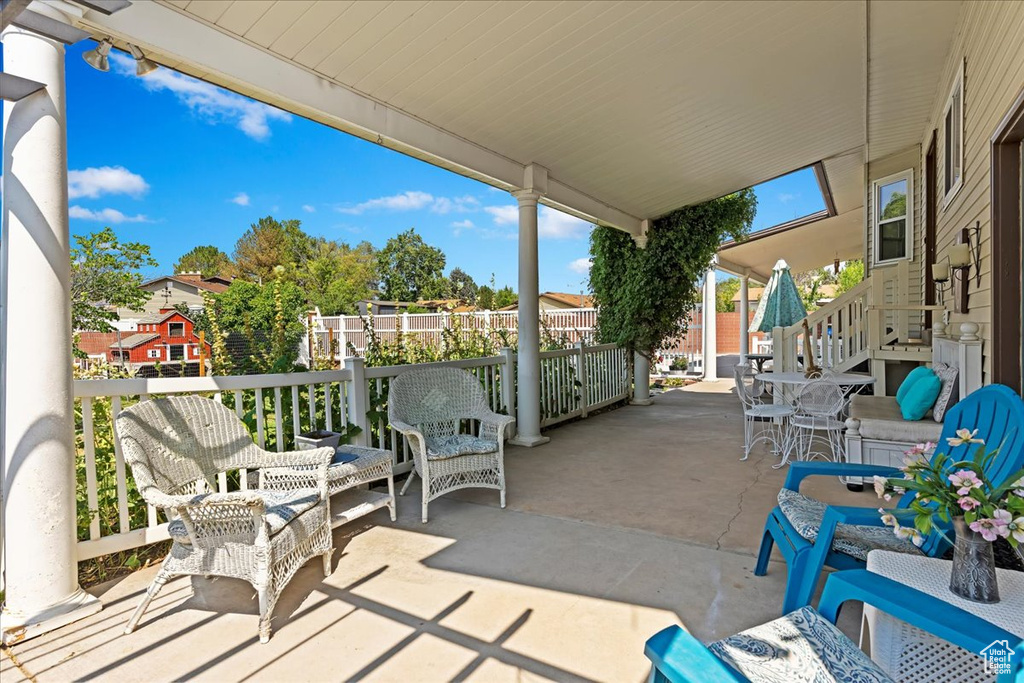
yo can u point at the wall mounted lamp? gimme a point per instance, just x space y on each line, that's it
955 267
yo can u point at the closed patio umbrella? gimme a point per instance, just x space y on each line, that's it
780 305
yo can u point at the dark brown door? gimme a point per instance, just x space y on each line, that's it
1007 248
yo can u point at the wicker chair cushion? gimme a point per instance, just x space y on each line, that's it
453 445
801 646
282 508
855 540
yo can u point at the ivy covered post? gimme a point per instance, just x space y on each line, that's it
641 363
644 296
528 363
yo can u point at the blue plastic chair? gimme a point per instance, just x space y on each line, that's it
998 415
822 652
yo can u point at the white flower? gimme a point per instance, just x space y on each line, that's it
909 533
888 518
880 483
964 436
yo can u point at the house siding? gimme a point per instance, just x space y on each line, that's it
907 159
988 42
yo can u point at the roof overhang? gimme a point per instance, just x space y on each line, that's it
634 109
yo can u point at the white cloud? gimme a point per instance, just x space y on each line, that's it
462 225
551 223
786 197
242 199
406 201
309 208
210 102
504 215
105 215
415 200
94 182
580 265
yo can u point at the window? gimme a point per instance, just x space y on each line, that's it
153 353
894 217
177 352
953 140
176 329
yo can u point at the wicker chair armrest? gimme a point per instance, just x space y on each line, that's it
208 517
407 430
201 500
296 469
493 424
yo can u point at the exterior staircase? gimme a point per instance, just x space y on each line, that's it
875 323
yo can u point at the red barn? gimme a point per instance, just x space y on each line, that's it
167 338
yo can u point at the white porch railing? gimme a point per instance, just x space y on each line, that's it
277 407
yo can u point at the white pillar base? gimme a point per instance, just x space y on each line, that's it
641 401
528 441
18 627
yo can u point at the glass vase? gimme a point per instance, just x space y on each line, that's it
974 566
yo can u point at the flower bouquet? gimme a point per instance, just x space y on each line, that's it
958 492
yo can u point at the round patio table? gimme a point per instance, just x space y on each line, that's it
848 381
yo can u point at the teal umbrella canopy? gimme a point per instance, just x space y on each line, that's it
780 305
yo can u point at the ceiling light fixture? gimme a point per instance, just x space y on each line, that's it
143 65
97 57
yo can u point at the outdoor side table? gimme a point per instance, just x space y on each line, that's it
352 467
906 652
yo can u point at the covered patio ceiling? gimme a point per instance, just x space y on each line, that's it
635 108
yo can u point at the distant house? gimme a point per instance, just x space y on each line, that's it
171 290
825 294
379 307
167 337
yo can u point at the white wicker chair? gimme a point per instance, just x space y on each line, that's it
819 415
176 448
429 408
762 421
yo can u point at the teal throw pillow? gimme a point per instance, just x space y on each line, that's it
911 380
921 397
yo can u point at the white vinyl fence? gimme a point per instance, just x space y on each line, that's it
574 382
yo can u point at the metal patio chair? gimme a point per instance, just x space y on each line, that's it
819 416
763 420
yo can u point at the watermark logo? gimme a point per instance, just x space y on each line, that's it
997 657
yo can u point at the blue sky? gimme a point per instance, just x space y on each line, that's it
175 163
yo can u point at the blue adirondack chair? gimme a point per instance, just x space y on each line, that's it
805 645
811 534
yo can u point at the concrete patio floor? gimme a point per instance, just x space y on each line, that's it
624 523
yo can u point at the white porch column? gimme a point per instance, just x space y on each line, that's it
528 364
641 365
744 318
35 361
710 328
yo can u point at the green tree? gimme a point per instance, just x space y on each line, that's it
506 296
208 260
644 295
337 276
269 243
410 269
461 286
725 290
485 297
850 276
809 285
104 277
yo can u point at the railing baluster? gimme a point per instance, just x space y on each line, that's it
261 432
89 443
122 481
296 414
278 421
328 408
313 426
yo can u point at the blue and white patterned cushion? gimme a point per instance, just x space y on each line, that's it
855 540
282 507
799 647
441 447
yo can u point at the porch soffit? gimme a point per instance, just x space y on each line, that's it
635 108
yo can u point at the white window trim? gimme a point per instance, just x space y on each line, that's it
907 175
958 86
